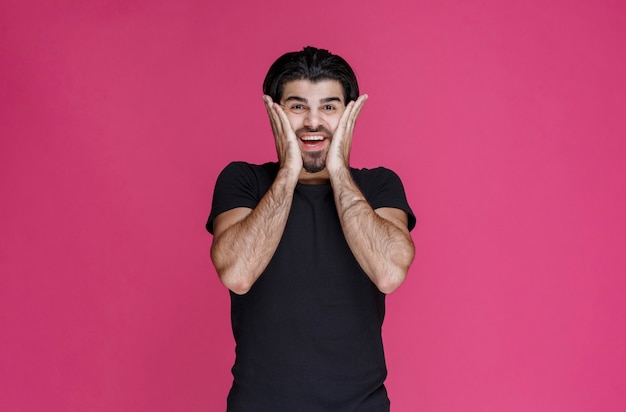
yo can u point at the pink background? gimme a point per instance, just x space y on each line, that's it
505 120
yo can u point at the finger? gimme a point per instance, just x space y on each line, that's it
274 118
284 121
359 105
356 110
353 114
343 121
266 101
346 123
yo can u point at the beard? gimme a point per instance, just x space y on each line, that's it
314 162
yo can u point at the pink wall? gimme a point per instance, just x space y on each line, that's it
505 120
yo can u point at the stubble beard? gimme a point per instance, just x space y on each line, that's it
314 162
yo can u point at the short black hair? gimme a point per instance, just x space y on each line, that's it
310 64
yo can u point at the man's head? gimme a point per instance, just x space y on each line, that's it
310 64
313 88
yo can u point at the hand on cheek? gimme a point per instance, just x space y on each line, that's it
339 153
287 148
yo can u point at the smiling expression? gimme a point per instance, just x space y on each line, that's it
314 110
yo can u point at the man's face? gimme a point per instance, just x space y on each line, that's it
313 110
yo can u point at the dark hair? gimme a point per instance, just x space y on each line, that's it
310 64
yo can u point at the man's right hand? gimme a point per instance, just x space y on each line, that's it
244 240
287 148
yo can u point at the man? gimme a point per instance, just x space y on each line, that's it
308 248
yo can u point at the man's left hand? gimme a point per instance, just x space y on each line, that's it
339 152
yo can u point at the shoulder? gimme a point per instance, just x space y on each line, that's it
240 185
375 177
383 188
376 172
243 172
240 167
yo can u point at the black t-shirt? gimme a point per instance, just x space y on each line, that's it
308 333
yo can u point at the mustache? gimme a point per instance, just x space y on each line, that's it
320 129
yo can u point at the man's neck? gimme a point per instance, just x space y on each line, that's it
318 178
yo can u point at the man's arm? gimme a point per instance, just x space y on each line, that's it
244 240
379 239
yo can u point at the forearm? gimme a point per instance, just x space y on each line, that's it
383 248
241 252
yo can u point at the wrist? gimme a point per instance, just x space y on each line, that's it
289 173
338 167
339 172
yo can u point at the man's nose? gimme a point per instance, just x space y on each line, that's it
312 118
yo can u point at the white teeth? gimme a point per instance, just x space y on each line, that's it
312 138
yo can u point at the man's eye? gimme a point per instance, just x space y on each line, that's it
297 108
329 108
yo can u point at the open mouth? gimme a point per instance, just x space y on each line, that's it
313 142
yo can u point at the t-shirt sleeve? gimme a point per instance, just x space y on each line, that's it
236 186
385 189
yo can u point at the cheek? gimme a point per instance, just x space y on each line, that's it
333 122
295 121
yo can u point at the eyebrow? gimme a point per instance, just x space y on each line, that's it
322 101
